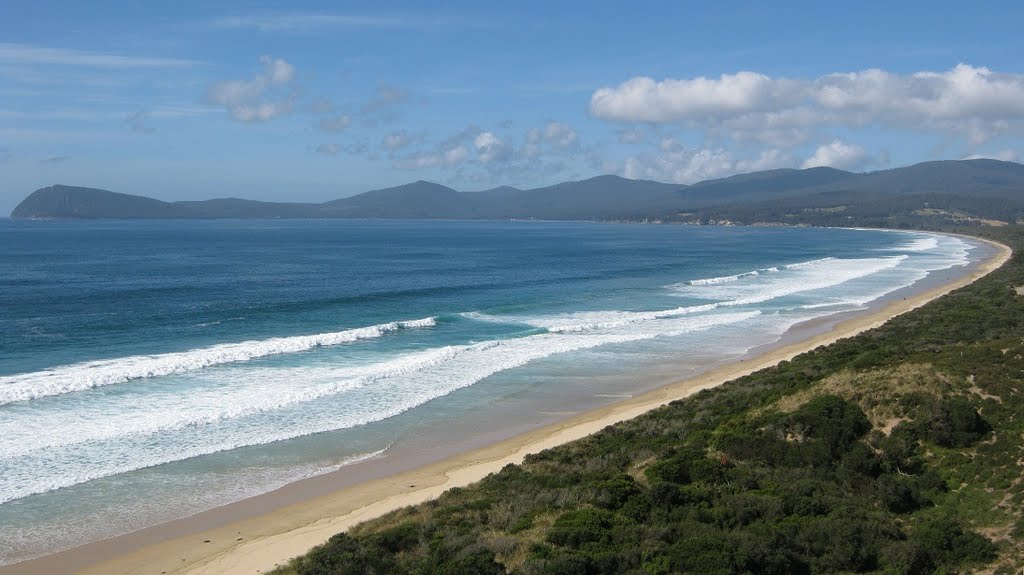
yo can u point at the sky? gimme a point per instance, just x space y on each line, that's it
304 101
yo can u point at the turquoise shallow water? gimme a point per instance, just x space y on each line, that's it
149 370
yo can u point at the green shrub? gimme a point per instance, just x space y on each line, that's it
943 537
577 527
955 423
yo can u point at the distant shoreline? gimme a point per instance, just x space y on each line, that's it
820 196
256 533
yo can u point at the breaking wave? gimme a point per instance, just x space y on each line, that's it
88 375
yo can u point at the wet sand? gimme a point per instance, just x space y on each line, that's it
254 535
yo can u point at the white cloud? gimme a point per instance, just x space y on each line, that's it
259 99
500 154
784 128
28 54
396 140
532 147
642 99
490 148
559 135
328 149
973 102
278 70
840 155
455 156
677 163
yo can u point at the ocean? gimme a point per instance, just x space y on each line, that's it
150 370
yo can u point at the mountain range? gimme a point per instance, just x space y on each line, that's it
976 188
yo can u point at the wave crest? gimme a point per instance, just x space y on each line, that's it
91 374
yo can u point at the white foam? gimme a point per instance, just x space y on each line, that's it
722 280
794 279
114 435
810 263
586 321
416 323
87 375
924 244
732 278
230 396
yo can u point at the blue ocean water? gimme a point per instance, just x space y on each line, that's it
149 370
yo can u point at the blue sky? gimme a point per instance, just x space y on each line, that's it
315 101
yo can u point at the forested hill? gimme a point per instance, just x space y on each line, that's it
895 451
931 191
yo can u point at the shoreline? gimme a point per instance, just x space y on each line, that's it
255 534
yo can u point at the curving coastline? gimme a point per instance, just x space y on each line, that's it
254 534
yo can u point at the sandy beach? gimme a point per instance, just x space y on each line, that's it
254 535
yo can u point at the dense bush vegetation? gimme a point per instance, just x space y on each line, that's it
896 451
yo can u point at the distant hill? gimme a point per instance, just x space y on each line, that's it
91 203
769 184
420 200
932 192
826 196
77 202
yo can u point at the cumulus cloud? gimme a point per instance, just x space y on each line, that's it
553 136
498 154
279 71
450 152
840 155
559 135
491 148
396 140
675 162
642 99
268 95
973 102
455 156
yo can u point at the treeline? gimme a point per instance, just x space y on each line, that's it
857 208
895 451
